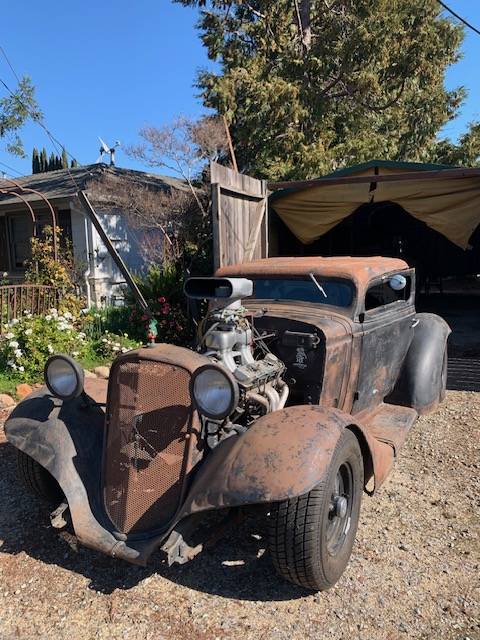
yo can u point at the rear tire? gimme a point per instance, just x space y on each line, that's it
37 479
311 537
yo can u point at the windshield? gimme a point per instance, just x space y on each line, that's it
338 293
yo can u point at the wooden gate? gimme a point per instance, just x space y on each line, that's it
240 216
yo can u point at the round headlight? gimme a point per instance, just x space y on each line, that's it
64 377
214 391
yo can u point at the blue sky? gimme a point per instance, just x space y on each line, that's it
107 68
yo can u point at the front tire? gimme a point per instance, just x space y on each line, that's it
37 479
311 537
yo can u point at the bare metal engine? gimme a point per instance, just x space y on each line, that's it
228 338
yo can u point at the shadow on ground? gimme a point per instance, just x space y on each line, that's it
236 567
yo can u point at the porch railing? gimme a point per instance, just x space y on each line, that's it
16 299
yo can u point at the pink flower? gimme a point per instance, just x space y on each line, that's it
162 299
165 308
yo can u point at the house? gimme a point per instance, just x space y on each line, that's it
101 277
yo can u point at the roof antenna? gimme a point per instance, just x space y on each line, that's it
104 148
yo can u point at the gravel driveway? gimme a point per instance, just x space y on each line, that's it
415 570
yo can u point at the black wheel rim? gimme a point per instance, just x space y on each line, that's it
340 509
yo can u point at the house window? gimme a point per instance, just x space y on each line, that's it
20 232
3 245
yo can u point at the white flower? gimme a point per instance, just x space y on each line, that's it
48 317
50 348
74 354
84 311
117 344
53 311
124 349
28 332
14 321
28 316
9 335
5 274
104 340
115 349
81 335
13 344
67 315
21 368
26 312
13 365
18 353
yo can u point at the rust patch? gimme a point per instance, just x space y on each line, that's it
360 270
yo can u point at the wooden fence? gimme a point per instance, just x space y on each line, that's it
15 299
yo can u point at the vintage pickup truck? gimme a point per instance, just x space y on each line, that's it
308 374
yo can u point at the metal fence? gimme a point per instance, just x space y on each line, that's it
15 299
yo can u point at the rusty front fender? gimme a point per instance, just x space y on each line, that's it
283 455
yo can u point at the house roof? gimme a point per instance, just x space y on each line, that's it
65 183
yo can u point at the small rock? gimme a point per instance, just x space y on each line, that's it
6 401
23 390
102 372
89 374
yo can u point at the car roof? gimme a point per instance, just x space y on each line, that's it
360 270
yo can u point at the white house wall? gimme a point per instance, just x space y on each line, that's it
104 277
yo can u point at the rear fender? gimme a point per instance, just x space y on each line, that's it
283 455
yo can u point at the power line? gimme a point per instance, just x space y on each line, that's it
2 50
35 117
10 168
465 22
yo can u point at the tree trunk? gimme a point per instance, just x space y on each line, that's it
306 26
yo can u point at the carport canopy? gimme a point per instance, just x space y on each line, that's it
445 198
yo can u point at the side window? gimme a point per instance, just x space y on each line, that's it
383 293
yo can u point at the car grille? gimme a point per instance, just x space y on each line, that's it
147 454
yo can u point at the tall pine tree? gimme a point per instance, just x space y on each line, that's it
309 86
43 161
64 161
35 161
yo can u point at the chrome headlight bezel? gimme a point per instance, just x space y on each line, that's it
63 365
230 385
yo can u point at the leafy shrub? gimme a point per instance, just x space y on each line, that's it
162 288
28 342
110 345
43 268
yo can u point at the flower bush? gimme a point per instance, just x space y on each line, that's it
162 288
26 343
110 345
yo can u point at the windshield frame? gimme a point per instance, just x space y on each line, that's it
348 310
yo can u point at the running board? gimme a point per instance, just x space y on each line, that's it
389 424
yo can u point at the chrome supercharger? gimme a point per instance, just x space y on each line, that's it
227 337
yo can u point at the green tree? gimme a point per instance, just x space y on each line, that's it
73 163
51 166
15 109
35 161
43 160
64 160
309 86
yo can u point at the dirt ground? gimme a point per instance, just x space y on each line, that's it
414 573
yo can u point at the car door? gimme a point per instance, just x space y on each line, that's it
388 320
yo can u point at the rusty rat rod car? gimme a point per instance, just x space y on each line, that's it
308 375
